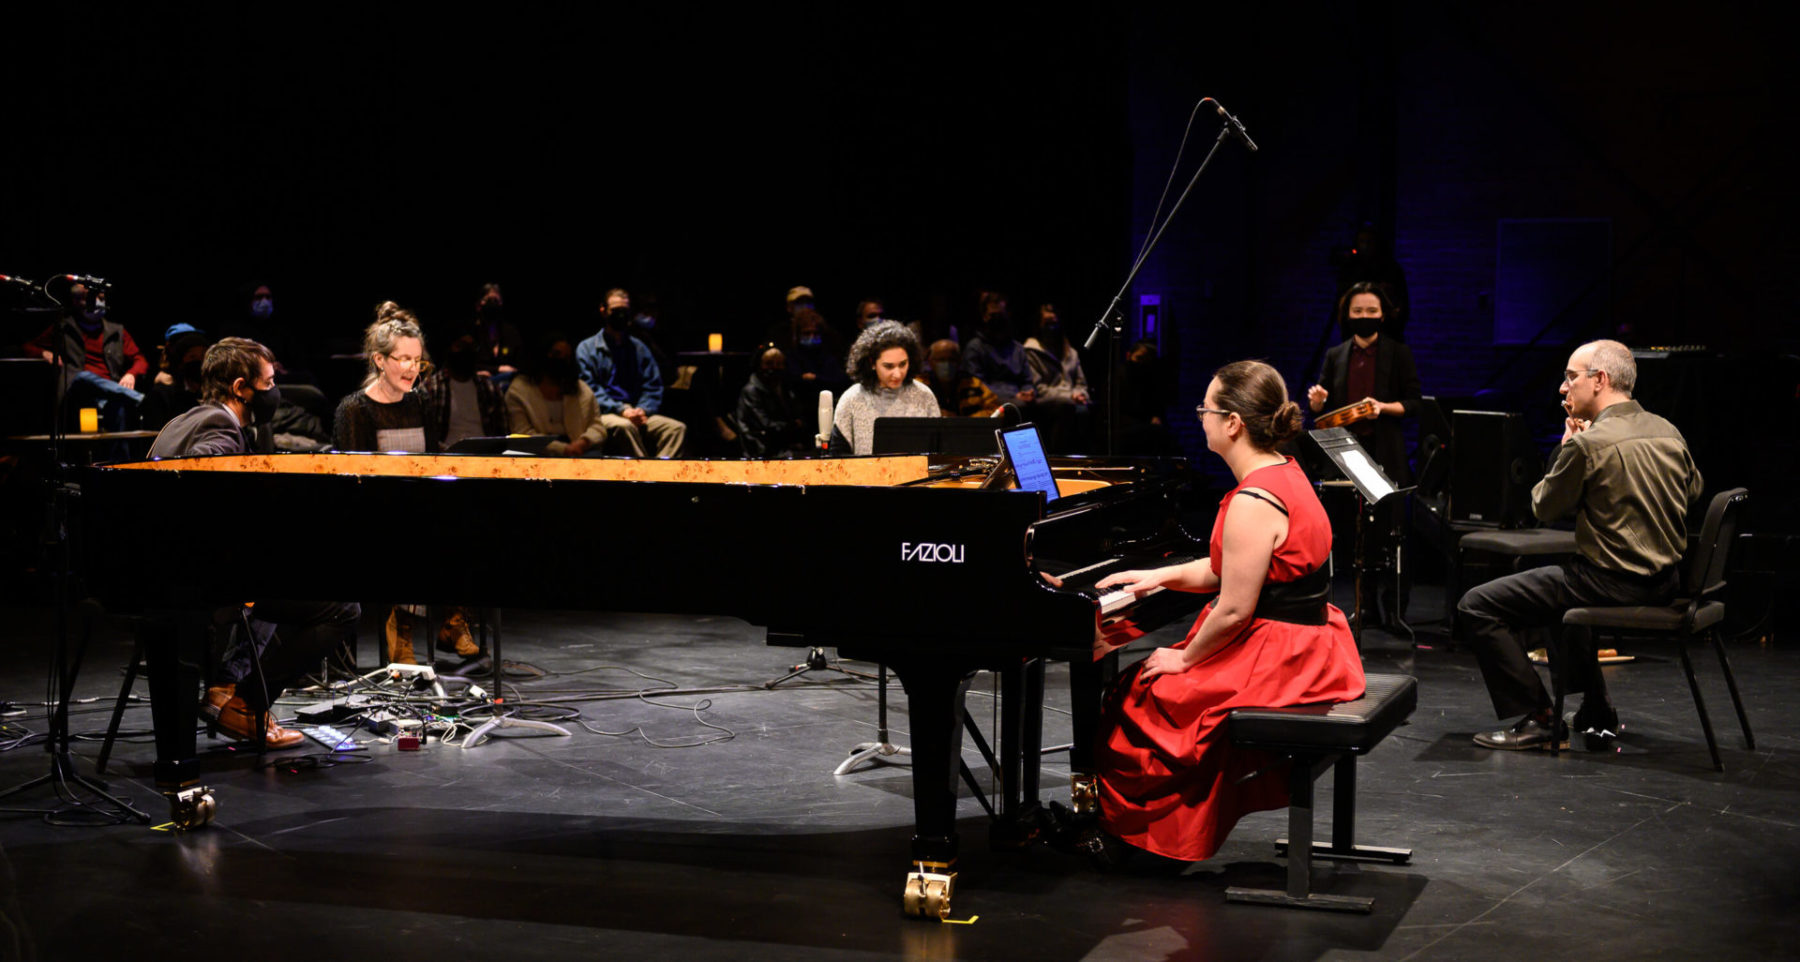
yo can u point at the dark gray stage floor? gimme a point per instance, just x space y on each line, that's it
542 847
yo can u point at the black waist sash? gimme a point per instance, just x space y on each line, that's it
1299 602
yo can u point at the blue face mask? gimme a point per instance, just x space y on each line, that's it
811 340
262 307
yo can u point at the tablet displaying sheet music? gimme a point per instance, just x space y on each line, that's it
1024 451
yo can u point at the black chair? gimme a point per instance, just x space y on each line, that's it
1316 738
232 621
1698 612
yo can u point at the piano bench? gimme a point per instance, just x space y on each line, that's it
1314 738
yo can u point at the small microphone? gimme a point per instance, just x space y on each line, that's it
1237 126
823 438
22 282
88 281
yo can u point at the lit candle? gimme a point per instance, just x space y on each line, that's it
90 420
715 342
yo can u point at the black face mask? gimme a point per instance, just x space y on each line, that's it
1365 326
264 403
461 365
190 372
492 312
560 371
618 318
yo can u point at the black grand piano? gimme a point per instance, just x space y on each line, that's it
902 560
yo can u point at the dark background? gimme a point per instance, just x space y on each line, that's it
711 159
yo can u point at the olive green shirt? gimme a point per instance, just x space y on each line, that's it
1629 480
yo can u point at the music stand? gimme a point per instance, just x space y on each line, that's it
1372 485
504 444
971 437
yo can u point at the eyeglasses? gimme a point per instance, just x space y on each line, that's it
405 360
1570 377
1202 410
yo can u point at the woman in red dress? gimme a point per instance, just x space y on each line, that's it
1169 778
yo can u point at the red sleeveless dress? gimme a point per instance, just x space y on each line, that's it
1168 774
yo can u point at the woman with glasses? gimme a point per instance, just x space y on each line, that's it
386 415
1170 782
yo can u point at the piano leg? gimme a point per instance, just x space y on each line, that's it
173 646
1087 685
1021 753
934 695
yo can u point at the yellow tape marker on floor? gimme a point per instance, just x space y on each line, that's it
968 921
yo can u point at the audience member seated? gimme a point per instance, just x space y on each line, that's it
942 359
255 320
643 327
386 415
627 384
881 361
769 422
869 313
461 401
303 422
176 388
996 371
1143 405
782 331
101 363
497 341
237 378
1063 403
548 397
815 359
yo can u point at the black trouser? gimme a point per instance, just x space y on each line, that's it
310 630
1507 617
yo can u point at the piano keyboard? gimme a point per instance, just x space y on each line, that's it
1115 600
1119 599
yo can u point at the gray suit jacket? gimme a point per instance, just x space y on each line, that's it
207 428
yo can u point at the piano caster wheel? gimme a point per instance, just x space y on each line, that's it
1084 794
192 808
928 892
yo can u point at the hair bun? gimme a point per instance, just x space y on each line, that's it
1286 422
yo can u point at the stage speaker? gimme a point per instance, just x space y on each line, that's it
1493 465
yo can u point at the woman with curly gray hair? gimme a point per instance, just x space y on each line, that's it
881 363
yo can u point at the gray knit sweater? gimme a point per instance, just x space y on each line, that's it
858 409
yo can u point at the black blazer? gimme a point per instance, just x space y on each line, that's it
1396 379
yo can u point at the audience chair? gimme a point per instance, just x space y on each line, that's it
1697 613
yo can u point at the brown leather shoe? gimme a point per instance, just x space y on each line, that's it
216 699
236 720
454 635
399 639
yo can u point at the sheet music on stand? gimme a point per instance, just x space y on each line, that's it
1373 486
1344 451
